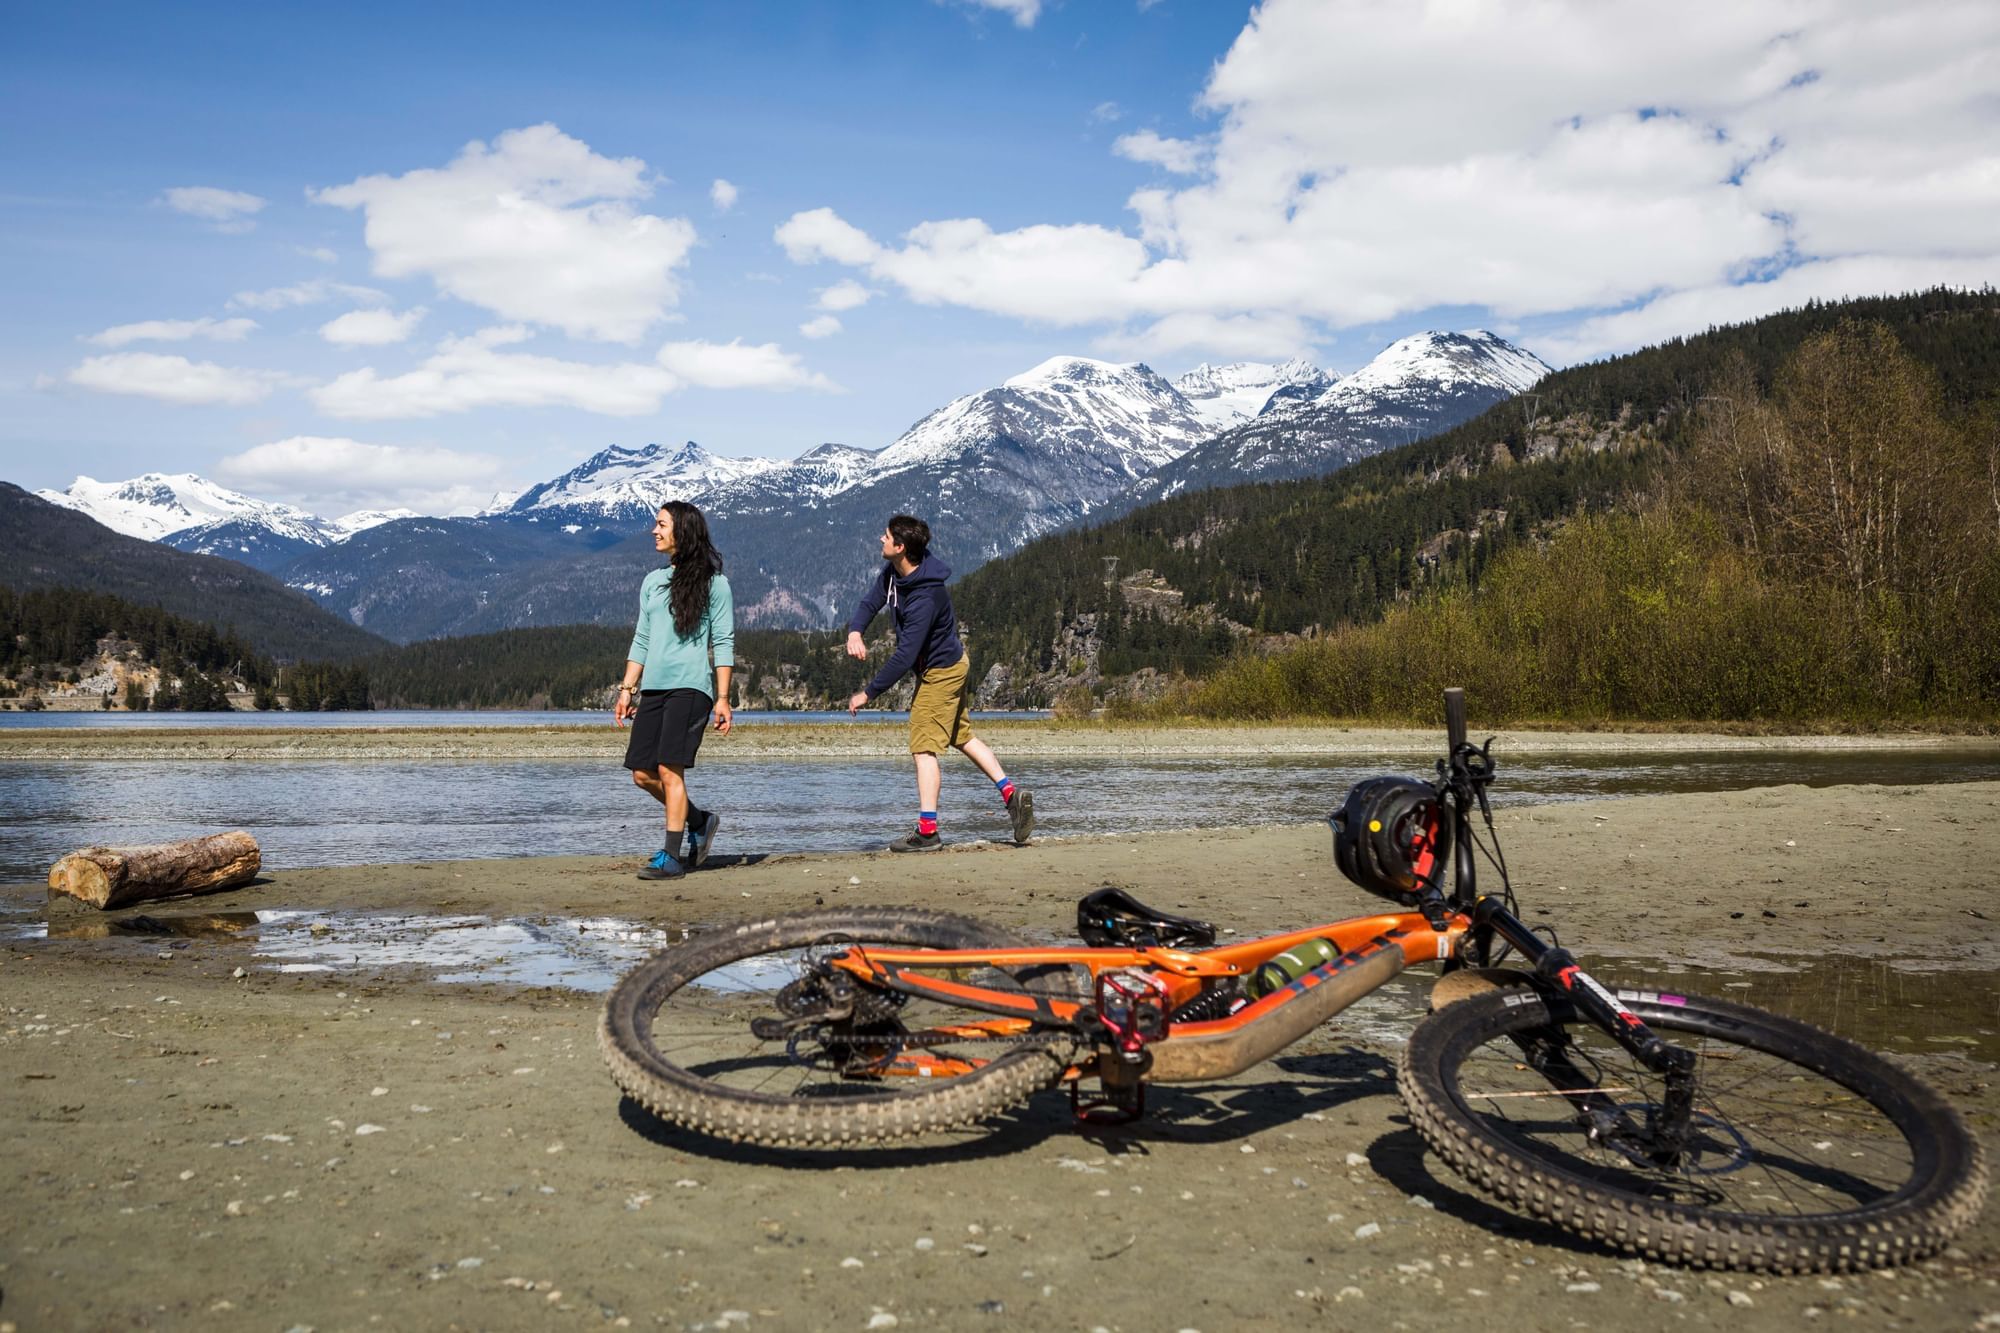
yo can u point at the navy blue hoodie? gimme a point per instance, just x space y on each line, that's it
926 626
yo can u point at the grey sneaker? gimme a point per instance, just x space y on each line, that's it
701 840
1021 811
664 865
917 842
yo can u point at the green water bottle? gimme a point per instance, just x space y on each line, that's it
1289 966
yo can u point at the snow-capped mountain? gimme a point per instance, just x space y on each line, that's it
1073 440
363 519
618 483
1418 386
158 505
1224 396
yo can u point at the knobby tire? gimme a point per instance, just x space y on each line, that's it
1793 1124
843 1113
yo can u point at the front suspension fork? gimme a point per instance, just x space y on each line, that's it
1667 1130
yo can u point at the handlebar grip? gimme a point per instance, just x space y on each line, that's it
1454 717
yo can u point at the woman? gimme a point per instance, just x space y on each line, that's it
685 614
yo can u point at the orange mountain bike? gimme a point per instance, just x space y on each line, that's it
1690 1130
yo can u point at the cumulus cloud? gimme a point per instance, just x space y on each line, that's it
174 330
1183 157
469 373
723 195
1023 12
311 292
823 327
1375 160
533 227
371 328
226 210
332 474
475 372
846 294
736 365
174 379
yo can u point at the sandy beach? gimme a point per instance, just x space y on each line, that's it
373 1147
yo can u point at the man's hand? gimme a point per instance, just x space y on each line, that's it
725 717
855 647
854 704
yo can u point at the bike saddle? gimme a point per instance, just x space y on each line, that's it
1112 917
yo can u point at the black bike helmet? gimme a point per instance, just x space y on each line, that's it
1391 838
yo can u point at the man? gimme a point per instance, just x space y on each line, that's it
912 586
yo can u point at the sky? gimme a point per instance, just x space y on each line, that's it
365 256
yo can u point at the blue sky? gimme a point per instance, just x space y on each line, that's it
369 255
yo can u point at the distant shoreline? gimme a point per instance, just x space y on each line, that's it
886 740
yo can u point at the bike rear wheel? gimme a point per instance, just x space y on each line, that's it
1806 1152
677 1034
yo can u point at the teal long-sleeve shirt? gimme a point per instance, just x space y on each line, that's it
674 662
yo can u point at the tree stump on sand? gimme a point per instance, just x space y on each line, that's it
108 877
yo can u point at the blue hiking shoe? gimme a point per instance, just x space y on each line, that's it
701 839
664 865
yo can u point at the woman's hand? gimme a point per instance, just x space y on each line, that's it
624 708
854 704
725 717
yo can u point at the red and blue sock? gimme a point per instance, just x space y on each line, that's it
1005 786
927 822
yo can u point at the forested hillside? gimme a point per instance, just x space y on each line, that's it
47 546
1179 586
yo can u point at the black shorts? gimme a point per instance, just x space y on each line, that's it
667 730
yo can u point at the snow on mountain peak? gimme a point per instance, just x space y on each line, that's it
617 480
1079 369
159 504
1226 395
1448 361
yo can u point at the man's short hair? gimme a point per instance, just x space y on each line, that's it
912 534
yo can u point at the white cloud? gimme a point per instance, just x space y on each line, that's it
226 210
469 373
534 227
311 292
1106 112
846 294
1376 160
332 474
371 328
723 195
733 365
823 327
174 379
174 330
317 252
1023 12
1183 157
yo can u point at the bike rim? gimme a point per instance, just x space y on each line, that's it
1770 1138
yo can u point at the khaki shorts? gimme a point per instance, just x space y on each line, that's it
937 710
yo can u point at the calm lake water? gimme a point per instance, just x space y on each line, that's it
356 812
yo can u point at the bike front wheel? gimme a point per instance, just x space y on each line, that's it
1804 1152
692 1034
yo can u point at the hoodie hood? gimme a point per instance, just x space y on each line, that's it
931 570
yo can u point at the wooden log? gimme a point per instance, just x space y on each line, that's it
111 877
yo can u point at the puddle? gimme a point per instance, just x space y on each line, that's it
1904 1006
586 954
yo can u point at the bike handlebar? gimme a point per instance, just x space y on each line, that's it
1454 718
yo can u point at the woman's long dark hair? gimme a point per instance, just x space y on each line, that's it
696 561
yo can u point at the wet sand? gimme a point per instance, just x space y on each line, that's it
371 1147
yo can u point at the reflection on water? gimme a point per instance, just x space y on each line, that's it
359 812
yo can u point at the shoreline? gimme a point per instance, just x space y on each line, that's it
870 739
